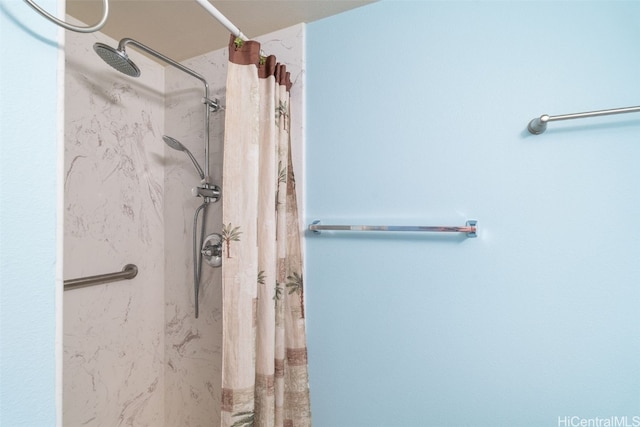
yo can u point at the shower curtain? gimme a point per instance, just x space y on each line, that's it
264 363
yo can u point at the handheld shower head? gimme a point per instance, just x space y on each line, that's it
174 143
177 145
117 58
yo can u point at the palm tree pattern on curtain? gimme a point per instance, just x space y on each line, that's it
264 365
230 234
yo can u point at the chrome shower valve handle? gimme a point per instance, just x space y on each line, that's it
212 250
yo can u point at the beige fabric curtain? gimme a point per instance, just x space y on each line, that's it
264 364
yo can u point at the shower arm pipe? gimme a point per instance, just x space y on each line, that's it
179 66
539 124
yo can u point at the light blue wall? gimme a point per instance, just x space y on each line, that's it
28 132
416 115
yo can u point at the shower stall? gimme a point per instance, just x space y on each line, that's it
134 352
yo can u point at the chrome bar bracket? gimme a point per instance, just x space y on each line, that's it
213 104
210 193
473 225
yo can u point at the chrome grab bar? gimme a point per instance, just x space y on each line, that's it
539 124
471 228
128 272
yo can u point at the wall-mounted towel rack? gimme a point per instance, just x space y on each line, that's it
539 124
471 228
128 272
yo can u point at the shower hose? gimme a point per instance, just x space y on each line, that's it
197 254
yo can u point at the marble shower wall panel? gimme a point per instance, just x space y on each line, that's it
113 198
193 346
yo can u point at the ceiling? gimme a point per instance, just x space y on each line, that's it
182 29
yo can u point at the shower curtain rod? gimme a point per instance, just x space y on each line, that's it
222 19
471 228
539 124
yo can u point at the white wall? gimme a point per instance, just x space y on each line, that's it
417 115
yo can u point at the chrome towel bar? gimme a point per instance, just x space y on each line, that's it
128 272
539 124
471 228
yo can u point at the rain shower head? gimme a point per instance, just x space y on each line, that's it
117 58
177 145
